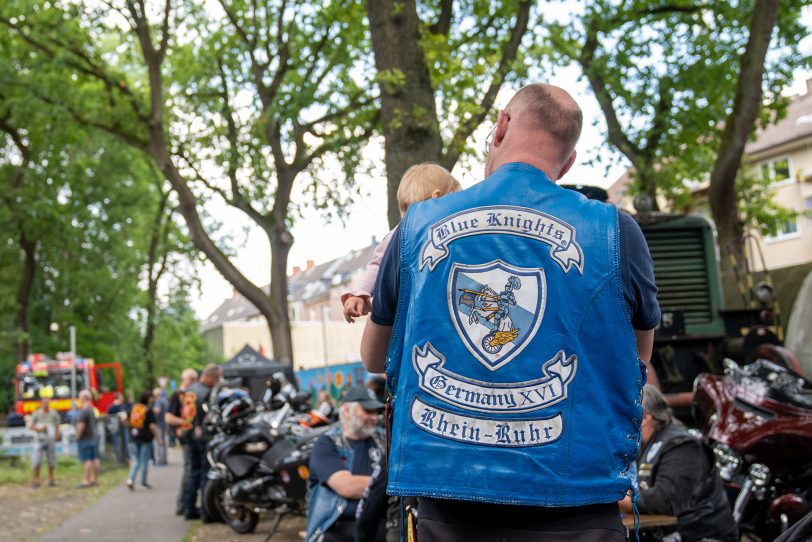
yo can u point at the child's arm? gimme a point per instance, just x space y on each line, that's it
358 302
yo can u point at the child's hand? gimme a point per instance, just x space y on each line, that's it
356 306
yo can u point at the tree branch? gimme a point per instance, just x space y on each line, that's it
165 31
661 116
353 105
115 130
615 130
88 66
443 24
509 51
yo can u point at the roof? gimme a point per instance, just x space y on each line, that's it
305 286
796 125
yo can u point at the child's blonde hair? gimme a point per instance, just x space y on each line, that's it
422 181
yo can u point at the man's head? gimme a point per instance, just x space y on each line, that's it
210 375
187 378
539 126
85 397
424 181
359 413
45 404
157 392
656 412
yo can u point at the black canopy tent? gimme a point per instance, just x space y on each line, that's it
251 370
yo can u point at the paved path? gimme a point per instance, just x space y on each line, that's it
121 515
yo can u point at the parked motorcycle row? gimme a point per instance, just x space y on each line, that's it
258 455
757 419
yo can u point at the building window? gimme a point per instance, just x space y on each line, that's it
776 171
809 212
787 230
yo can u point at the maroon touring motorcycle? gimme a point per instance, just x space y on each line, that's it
758 421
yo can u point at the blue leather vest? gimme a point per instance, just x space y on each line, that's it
513 361
325 506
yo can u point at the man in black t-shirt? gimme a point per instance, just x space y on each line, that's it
86 440
195 397
180 425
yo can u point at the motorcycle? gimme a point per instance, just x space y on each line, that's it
258 462
758 421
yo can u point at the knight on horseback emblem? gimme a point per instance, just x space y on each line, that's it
496 307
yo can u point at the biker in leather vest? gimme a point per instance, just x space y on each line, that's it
678 476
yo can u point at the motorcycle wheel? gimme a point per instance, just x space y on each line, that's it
241 519
213 495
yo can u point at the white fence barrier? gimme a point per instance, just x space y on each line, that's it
19 441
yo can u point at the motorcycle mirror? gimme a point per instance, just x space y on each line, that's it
764 293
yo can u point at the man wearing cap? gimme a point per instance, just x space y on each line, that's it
341 467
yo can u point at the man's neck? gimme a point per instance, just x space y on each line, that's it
544 166
355 436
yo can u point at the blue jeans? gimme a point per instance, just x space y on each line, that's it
143 453
88 450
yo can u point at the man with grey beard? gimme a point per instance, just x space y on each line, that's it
341 467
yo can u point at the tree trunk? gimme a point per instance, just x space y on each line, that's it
647 181
279 325
738 127
408 111
24 294
201 240
159 233
158 149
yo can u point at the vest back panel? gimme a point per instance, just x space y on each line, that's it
512 359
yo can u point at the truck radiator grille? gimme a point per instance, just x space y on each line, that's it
681 272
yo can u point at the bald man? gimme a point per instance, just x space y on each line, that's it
512 320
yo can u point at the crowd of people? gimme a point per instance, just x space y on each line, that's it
135 431
473 444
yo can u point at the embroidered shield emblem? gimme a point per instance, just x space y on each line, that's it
496 309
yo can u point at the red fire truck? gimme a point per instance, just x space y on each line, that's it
41 377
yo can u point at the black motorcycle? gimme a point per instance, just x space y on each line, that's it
258 463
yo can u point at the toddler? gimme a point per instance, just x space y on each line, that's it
420 182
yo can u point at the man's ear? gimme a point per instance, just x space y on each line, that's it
436 194
567 165
501 128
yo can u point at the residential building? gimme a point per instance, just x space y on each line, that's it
320 335
782 155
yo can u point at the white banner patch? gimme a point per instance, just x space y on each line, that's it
508 220
490 397
486 432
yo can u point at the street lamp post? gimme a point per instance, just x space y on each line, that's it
72 330
324 314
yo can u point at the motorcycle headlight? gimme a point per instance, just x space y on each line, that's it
254 447
728 461
760 474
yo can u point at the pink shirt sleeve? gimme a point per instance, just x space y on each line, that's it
367 282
